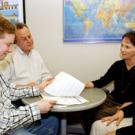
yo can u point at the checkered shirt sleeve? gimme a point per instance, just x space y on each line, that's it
10 117
16 93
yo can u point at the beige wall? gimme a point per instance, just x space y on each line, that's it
84 61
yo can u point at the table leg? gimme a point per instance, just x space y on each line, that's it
63 125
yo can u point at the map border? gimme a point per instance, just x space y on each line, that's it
114 39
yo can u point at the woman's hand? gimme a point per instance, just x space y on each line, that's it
89 85
118 117
111 133
124 105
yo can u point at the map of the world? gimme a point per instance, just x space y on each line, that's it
98 20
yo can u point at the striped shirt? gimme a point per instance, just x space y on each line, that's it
10 117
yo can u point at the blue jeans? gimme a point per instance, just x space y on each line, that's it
46 126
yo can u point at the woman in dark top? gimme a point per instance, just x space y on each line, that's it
122 73
124 82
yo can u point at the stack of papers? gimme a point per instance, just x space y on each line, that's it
66 100
65 89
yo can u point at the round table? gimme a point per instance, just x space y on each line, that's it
95 97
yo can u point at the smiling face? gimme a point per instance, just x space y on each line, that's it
5 44
127 49
7 36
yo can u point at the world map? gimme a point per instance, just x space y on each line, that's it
98 20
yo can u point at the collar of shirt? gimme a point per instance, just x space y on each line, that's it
22 52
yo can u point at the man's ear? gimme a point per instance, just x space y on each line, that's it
15 41
134 49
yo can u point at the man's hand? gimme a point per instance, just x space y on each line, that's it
118 117
28 85
45 105
43 84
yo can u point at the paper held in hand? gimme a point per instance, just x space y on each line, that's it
66 89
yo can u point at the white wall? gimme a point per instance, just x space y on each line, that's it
84 61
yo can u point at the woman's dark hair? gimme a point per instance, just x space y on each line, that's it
131 36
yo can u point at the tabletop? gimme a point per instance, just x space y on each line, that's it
95 97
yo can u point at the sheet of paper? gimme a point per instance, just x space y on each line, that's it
65 85
66 100
71 100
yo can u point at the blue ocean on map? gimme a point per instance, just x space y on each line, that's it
8 12
97 20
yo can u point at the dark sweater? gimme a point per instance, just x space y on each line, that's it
124 82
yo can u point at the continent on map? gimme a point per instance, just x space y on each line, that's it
79 7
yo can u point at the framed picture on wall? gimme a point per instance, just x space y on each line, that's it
13 10
95 21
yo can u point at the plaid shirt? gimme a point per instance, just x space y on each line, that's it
10 117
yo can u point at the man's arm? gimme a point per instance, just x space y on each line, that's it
13 118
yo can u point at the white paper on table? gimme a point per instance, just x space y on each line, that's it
71 100
66 100
65 85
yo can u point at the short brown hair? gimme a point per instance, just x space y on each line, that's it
20 25
6 26
131 36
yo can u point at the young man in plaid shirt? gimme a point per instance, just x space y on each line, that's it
20 121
